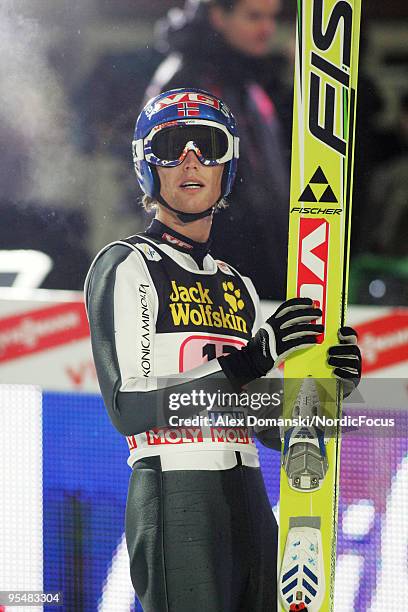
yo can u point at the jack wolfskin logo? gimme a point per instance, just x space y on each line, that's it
193 305
232 296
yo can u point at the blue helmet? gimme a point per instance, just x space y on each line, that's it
189 108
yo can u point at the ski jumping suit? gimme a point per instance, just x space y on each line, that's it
200 531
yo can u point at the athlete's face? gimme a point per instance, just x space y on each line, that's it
191 186
248 26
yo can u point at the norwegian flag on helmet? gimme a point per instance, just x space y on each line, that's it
188 109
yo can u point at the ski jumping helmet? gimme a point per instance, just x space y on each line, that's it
175 122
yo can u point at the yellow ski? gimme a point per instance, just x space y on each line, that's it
319 236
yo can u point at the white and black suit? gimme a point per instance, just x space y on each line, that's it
199 528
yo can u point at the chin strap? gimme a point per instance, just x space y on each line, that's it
186 217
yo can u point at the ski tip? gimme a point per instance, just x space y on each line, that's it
300 607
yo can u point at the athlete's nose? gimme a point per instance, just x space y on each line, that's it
191 161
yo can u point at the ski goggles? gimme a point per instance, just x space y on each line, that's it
168 145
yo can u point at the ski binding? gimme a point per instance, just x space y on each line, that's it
304 455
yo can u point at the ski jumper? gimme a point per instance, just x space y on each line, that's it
199 528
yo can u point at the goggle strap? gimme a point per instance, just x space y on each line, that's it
138 149
236 147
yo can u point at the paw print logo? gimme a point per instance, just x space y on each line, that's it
232 296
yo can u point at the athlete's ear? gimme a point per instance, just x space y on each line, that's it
218 18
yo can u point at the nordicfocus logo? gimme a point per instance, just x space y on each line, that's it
193 306
312 266
145 338
42 329
324 74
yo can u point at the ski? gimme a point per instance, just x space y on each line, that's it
326 68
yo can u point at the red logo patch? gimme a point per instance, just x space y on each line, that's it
232 435
42 329
176 241
313 261
384 341
179 98
179 435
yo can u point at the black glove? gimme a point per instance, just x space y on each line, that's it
289 329
346 360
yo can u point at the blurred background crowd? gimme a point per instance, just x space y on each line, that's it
73 76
